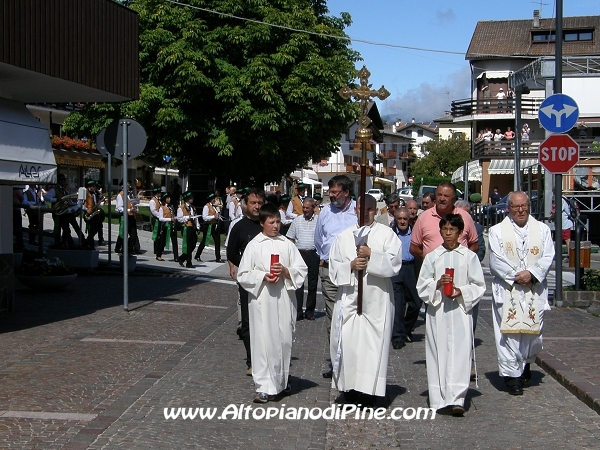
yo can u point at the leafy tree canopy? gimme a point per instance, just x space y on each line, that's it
236 98
441 157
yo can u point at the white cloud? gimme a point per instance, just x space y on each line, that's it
427 102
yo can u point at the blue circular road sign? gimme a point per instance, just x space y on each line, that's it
558 113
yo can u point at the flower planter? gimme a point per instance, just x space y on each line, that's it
47 283
76 259
588 300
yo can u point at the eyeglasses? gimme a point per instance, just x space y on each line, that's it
335 192
519 207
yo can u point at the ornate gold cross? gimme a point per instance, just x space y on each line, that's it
363 94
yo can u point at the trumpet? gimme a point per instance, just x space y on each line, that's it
61 206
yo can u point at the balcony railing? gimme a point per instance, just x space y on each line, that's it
475 107
389 154
588 148
387 171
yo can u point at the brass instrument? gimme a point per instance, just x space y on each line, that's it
96 211
61 206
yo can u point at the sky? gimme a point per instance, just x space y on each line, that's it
423 83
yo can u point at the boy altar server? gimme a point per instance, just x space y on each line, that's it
271 290
449 327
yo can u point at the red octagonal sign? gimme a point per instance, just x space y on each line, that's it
558 153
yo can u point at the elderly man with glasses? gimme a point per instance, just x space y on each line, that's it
521 252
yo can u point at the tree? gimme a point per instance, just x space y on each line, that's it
441 157
236 97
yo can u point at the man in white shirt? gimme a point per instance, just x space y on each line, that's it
302 232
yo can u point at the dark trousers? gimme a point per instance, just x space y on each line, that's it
189 233
245 330
65 221
34 224
18 227
161 240
133 242
216 238
407 301
94 228
311 259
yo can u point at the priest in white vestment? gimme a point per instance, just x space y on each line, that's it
271 302
360 343
449 326
521 252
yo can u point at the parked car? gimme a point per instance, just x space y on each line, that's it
405 193
377 193
424 190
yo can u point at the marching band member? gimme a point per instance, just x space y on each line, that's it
186 214
166 231
154 206
64 221
130 210
210 227
89 206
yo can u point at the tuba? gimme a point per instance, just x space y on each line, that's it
61 206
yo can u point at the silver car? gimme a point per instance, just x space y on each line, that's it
405 193
377 193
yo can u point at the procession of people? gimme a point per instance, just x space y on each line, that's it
375 278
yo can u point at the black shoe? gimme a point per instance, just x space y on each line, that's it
197 258
515 385
328 374
219 260
100 243
181 263
398 344
309 316
189 265
458 411
300 316
526 377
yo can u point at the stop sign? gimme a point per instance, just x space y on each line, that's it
558 153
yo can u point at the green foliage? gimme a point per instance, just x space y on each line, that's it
441 157
237 98
475 197
591 280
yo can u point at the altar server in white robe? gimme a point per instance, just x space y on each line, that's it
521 252
272 303
449 328
360 344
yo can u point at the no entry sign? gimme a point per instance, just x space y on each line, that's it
558 153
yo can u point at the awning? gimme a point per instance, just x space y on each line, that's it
313 182
304 174
162 171
25 153
473 172
507 166
382 181
489 74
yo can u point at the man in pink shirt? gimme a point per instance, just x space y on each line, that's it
426 235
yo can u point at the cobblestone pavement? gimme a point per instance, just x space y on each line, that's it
80 372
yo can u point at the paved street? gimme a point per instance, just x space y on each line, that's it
79 372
